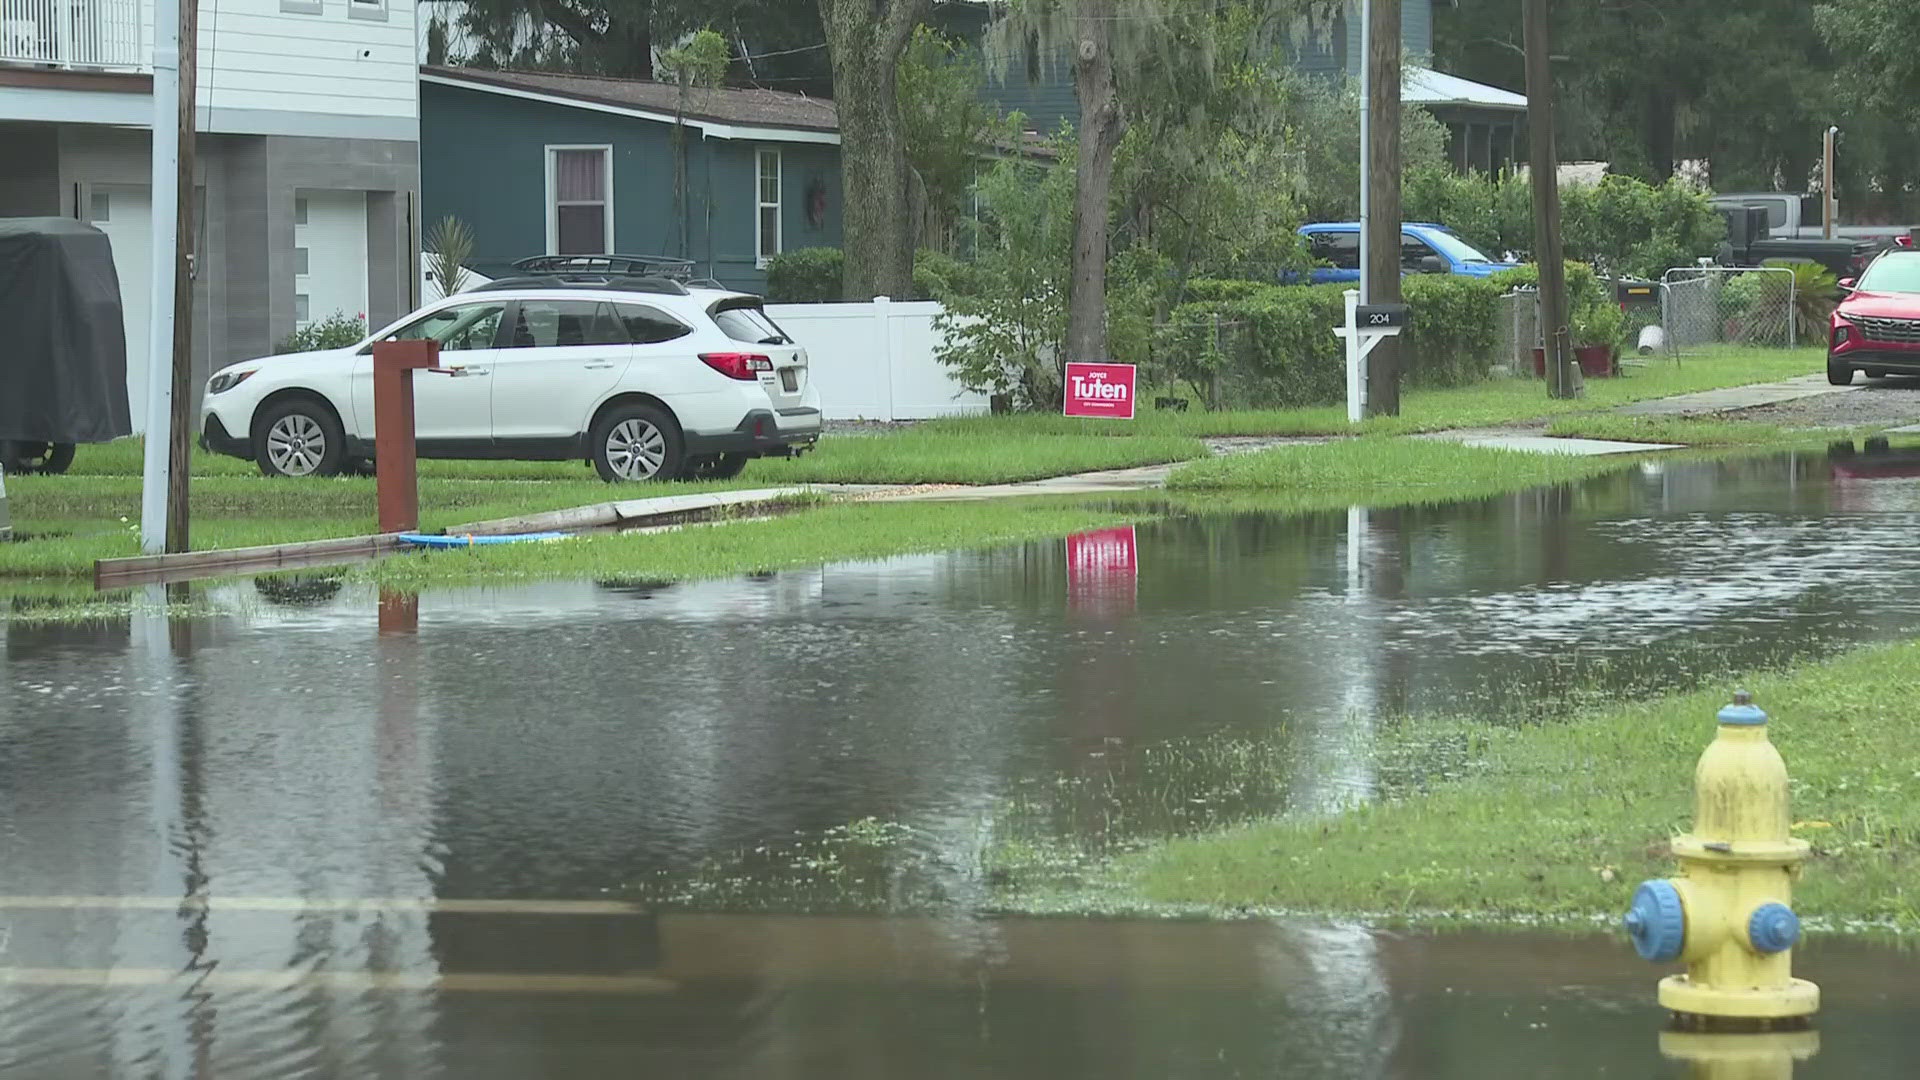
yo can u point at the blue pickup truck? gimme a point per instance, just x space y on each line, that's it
1424 249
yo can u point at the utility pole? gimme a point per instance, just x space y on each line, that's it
181 446
1829 195
169 422
1381 184
1563 378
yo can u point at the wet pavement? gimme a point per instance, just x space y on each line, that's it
746 828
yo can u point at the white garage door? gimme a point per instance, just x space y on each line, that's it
330 254
125 214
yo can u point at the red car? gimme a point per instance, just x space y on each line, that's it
1876 328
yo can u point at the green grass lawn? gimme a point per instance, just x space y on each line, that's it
1378 470
1485 404
1694 431
827 534
1561 820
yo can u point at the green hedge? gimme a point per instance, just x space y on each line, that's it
814 275
1275 346
806 276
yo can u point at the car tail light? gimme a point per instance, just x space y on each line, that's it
1903 241
738 365
1859 263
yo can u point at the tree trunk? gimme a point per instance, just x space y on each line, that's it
1101 125
1660 136
865 39
1383 197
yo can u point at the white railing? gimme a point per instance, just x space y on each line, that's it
71 33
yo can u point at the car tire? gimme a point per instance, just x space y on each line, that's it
636 441
1839 373
22 457
299 437
716 466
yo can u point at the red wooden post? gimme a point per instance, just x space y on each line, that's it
399 612
396 478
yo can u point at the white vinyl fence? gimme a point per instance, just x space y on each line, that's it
875 361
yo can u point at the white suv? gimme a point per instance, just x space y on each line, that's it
643 377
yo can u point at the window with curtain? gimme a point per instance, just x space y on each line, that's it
768 194
579 219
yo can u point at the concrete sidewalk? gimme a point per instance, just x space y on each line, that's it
1735 398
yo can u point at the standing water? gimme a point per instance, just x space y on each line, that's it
565 829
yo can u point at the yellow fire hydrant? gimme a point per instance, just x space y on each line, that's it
1727 915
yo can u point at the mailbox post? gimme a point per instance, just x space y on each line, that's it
1366 324
396 476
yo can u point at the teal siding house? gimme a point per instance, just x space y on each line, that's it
542 164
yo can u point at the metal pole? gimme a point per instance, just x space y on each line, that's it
1563 379
1366 150
1828 201
165 196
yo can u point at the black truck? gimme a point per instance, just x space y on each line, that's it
1750 242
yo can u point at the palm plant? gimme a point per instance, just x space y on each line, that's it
451 242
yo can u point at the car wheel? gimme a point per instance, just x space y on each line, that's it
21 457
636 442
1839 373
716 466
300 437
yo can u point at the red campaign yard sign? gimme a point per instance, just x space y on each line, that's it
1100 390
1102 569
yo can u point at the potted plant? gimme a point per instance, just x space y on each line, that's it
1597 329
1596 326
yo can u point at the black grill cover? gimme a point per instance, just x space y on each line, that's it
63 349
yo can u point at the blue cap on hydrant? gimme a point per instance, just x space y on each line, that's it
1743 712
1773 927
1656 922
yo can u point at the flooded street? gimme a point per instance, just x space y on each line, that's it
743 828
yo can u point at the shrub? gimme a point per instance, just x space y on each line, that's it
813 276
336 331
1622 225
1276 348
806 276
1815 295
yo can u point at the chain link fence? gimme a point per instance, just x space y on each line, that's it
1709 305
1516 331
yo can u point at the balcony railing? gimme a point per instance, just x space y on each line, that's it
71 34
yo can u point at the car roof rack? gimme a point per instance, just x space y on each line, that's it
657 285
660 266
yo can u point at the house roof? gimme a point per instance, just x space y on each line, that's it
1425 86
724 112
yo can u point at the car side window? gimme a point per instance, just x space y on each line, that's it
649 326
1414 252
1341 249
463 326
542 324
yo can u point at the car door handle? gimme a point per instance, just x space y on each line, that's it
460 371
598 367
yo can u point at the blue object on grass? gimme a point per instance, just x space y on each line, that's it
429 540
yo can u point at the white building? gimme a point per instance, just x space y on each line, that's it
308 174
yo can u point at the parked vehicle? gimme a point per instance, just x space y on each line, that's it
1792 215
1750 242
64 368
1876 328
645 377
1425 248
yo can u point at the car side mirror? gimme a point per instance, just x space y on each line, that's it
1433 264
1847 284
